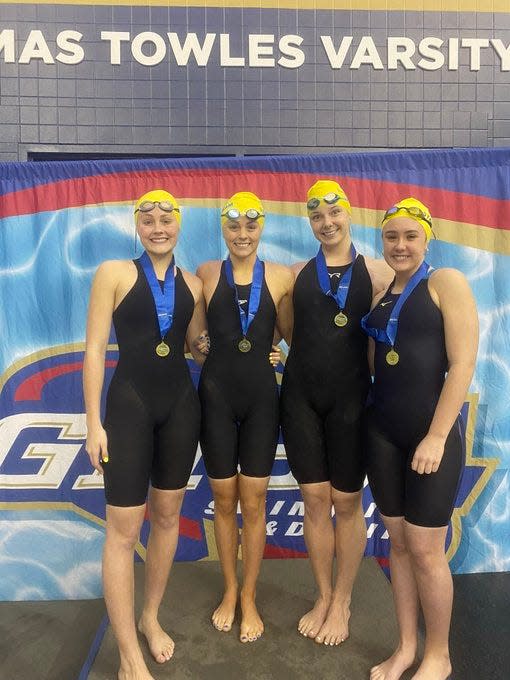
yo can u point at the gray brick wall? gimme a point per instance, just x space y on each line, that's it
101 108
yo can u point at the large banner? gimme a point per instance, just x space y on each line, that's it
59 221
251 76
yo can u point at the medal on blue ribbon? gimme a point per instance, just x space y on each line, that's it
164 300
244 345
342 292
388 335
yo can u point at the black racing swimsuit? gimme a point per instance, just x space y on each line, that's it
326 381
404 401
238 391
152 415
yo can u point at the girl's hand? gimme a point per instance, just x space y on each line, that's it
428 455
202 343
97 447
275 356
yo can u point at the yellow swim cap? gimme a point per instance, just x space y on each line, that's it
415 210
330 192
243 203
165 200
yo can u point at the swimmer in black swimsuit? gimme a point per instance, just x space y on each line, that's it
324 389
414 448
152 419
239 398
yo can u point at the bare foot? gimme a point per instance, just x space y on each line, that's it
311 622
160 643
394 667
335 628
251 623
434 668
125 675
223 615
134 670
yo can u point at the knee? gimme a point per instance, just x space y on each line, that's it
225 505
318 509
164 521
253 508
425 558
122 538
398 546
347 505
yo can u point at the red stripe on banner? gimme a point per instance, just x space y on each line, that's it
190 528
384 562
275 552
31 388
273 186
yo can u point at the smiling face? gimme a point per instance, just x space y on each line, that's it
404 244
330 224
242 236
158 231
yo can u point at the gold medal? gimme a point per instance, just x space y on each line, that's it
340 319
244 345
392 357
162 350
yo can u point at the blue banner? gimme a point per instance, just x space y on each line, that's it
59 221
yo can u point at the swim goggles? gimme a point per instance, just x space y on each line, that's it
235 214
166 206
330 199
412 210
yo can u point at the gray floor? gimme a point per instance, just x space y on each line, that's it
285 591
480 635
47 640
51 640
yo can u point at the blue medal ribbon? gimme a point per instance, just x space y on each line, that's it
255 290
388 335
325 282
164 300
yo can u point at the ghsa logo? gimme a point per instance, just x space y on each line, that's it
42 429
43 462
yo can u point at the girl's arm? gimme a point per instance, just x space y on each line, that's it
101 305
197 338
450 291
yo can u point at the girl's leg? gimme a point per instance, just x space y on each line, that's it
350 542
435 587
252 494
320 542
165 508
226 532
405 595
122 532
